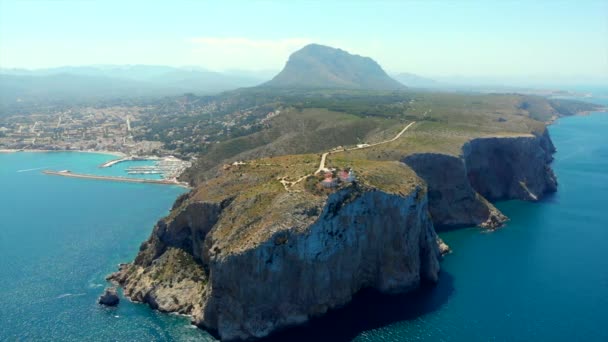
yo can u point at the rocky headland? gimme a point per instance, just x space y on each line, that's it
261 244
462 187
245 264
245 258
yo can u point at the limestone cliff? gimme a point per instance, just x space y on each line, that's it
246 263
488 169
453 202
510 167
245 255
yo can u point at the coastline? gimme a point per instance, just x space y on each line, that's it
119 157
581 113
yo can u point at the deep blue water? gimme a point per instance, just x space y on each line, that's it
542 277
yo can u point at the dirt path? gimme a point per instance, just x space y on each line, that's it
324 155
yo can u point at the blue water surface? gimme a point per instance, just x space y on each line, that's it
60 237
544 276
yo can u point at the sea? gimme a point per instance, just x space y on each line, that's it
544 276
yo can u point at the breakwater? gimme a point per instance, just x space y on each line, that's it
66 173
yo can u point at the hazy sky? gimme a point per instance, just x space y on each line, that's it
472 38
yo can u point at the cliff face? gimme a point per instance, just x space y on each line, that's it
452 200
511 167
245 283
360 240
495 168
246 256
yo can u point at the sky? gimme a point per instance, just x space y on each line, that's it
451 38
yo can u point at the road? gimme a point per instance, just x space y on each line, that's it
324 155
322 163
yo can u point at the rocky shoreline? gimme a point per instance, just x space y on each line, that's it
316 255
462 188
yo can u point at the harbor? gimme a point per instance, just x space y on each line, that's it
68 173
167 167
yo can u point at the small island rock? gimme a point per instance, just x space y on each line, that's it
109 297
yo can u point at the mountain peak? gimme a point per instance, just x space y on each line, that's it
320 66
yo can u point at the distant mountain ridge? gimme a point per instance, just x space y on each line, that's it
319 66
73 84
415 81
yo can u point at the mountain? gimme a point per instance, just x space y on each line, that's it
86 83
61 87
318 66
415 81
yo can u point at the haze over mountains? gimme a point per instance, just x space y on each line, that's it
319 66
415 81
115 81
313 66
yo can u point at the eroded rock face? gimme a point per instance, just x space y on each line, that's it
244 257
489 169
361 237
371 240
452 200
109 297
511 167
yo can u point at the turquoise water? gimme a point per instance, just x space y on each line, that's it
60 237
543 277
57 161
118 169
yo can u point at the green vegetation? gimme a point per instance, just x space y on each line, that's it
261 206
317 66
316 121
569 107
176 265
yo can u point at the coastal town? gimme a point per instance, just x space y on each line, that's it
87 129
181 126
108 130
169 132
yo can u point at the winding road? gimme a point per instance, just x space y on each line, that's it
324 155
288 184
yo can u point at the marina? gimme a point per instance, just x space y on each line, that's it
167 167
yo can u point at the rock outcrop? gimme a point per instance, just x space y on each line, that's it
109 297
510 167
493 168
309 254
452 200
245 256
361 239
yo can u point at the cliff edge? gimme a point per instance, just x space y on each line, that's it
488 169
245 257
250 252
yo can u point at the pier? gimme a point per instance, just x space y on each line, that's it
115 161
66 173
169 167
120 160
